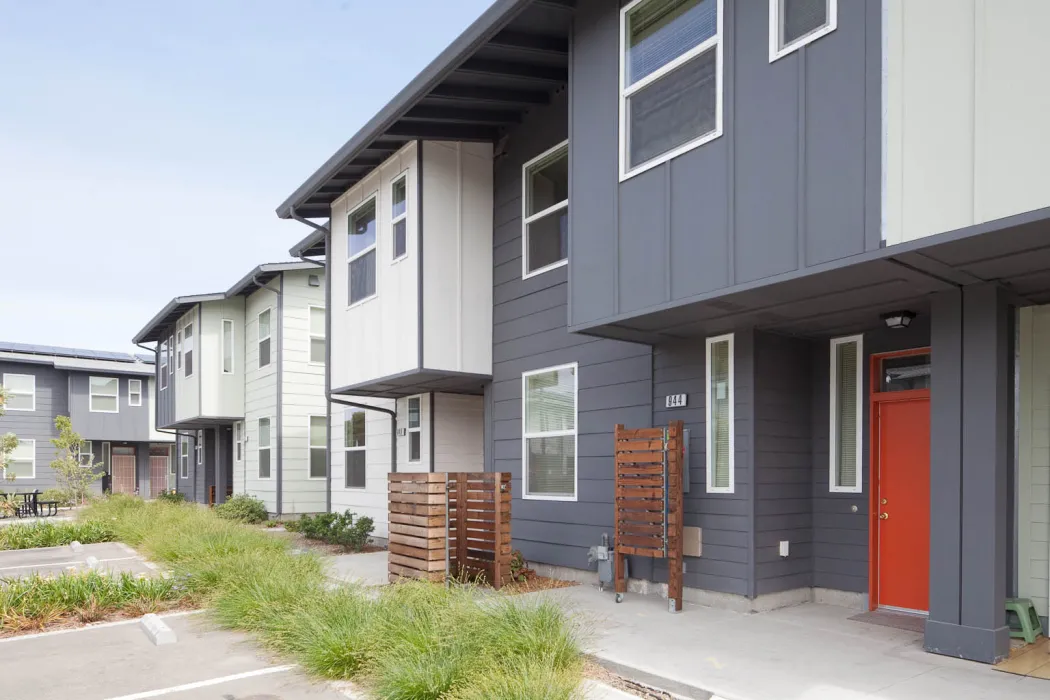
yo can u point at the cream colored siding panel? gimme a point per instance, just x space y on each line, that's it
1033 507
372 500
459 433
260 394
188 395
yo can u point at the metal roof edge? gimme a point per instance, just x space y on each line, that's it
243 283
170 306
311 239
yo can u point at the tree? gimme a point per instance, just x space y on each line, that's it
72 476
9 441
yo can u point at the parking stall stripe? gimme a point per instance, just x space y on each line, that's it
204 684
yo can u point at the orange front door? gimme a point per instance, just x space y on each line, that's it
123 460
904 503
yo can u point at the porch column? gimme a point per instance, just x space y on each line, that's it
970 448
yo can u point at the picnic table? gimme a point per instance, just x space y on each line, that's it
31 506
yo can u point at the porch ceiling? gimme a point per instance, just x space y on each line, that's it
849 295
420 381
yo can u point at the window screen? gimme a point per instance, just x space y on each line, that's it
798 18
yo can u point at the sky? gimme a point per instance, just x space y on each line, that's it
144 145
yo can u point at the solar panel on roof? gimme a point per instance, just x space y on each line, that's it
66 352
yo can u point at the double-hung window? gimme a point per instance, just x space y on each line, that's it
263 328
354 449
721 476
184 458
21 462
545 234
162 357
317 335
847 414
415 429
264 448
361 252
21 392
187 349
171 352
87 453
795 23
227 346
102 395
399 216
549 432
238 442
178 349
670 80
134 392
318 447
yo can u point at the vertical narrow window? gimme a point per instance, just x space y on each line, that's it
720 428
264 448
171 352
318 447
545 215
199 447
87 453
107 452
263 329
102 395
178 349
354 449
847 414
317 335
227 346
415 433
361 252
162 358
549 433
238 441
134 392
670 80
184 458
795 23
21 392
187 349
399 216
21 463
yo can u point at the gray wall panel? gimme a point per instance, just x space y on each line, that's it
129 424
165 397
52 396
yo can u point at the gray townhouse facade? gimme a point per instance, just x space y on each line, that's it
241 383
816 231
108 399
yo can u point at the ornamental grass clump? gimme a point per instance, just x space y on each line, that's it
33 535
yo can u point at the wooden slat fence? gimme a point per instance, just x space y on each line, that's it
418 515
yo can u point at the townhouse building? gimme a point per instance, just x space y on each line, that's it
816 231
108 397
240 378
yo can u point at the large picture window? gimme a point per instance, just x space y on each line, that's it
847 414
102 394
264 448
21 463
549 432
361 252
795 23
670 80
354 436
318 447
721 476
21 392
545 215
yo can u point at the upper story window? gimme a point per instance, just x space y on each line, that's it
399 216
187 349
21 462
795 23
354 437
670 80
549 433
263 329
134 392
21 392
102 394
545 215
317 335
361 252
415 429
721 432
847 414
178 349
162 359
227 346
171 350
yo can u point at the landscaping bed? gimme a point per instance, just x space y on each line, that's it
44 534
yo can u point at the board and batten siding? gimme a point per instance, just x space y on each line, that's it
459 433
260 392
128 424
965 128
222 395
52 399
302 394
370 501
529 332
1033 506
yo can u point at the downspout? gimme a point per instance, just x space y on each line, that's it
393 424
280 384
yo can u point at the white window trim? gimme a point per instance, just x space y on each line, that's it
269 448
238 441
313 336
178 349
184 458
833 422
409 430
396 220
363 448
189 350
776 51
261 337
132 382
708 429
33 476
162 366
374 197
90 453
310 448
171 350
526 220
575 432
198 448
233 346
626 92
20 393
91 396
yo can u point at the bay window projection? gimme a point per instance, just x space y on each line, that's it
549 433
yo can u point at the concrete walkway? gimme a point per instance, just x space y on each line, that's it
367 569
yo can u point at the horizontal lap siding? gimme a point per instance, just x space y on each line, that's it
1033 506
370 501
529 332
52 399
260 393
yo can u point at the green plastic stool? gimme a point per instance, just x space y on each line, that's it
1027 617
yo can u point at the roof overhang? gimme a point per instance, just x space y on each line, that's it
507 62
848 295
312 246
203 423
263 274
158 326
81 364
418 381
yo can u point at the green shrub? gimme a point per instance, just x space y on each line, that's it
242 508
334 528
46 534
61 496
171 497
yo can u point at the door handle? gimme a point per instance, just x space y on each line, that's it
884 516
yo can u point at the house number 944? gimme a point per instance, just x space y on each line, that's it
676 400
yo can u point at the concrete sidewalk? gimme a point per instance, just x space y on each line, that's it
366 569
809 652
111 557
